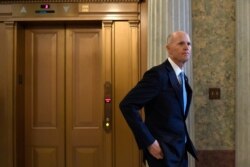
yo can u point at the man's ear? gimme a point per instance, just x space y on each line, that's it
167 47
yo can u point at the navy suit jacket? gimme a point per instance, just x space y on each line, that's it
160 93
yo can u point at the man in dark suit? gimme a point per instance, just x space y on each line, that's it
163 134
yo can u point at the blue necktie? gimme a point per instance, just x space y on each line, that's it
184 92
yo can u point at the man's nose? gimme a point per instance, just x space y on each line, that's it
186 46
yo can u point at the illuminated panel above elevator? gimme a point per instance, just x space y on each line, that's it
88 11
45 10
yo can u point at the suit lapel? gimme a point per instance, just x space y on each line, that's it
175 84
189 95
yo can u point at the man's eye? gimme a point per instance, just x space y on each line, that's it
183 43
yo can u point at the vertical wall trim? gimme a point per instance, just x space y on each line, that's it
242 147
107 64
164 17
134 51
10 28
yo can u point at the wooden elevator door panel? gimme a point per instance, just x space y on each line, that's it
84 98
66 67
63 97
44 97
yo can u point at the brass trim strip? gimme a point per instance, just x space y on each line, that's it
65 1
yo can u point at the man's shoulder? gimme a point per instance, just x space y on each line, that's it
163 67
158 71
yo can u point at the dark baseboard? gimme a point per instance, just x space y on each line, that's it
216 158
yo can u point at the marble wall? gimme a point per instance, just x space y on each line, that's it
213 26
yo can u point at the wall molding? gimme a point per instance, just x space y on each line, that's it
218 158
66 1
242 131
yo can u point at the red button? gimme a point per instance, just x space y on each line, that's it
107 100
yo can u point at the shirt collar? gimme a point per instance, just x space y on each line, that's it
176 68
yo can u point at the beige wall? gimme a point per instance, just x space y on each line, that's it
214 43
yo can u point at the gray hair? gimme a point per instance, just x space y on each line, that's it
171 35
169 38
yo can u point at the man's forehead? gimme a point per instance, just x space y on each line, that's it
178 37
181 37
178 40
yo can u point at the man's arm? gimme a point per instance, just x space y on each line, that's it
135 100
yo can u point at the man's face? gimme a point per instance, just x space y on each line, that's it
179 48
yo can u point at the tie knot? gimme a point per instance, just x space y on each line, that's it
181 77
182 73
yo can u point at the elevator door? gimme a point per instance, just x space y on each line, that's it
64 97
